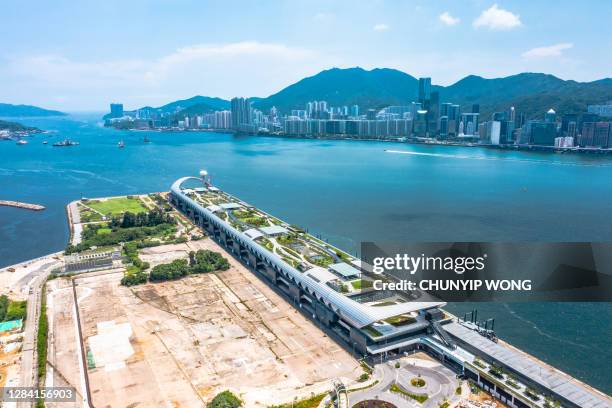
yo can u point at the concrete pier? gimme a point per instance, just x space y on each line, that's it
33 207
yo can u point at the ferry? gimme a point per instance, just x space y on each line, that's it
22 142
65 142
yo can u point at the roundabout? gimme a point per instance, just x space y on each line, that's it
417 382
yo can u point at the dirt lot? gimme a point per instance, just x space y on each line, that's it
180 343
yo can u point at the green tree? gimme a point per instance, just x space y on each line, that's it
226 399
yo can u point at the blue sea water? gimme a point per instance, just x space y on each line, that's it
346 192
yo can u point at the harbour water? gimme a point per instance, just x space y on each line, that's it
346 192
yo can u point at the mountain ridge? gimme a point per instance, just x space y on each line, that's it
10 110
530 92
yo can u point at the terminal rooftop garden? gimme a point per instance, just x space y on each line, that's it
304 252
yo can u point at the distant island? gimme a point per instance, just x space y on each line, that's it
15 127
10 130
9 110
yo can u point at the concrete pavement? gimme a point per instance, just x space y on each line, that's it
34 283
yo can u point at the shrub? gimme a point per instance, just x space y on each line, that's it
174 270
207 261
4 302
226 399
417 382
135 278
16 310
533 394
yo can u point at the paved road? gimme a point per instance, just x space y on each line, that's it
28 370
441 383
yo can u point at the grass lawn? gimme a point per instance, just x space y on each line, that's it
400 320
418 397
116 206
88 215
102 231
388 303
361 283
311 402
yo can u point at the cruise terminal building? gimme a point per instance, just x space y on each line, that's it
326 283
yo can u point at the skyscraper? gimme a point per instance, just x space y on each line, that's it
116 110
241 112
424 90
434 113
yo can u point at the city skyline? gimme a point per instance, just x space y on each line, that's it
166 52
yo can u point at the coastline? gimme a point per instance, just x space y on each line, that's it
511 147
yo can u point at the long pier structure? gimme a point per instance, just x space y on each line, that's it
326 283
17 204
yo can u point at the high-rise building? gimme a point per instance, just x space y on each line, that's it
550 116
586 118
424 90
506 132
241 112
443 127
420 123
539 133
566 121
512 114
469 124
476 108
492 132
354 111
444 108
499 116
601 110
433 113
520 120
595 134
116 110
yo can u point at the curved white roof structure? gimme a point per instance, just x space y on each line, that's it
353 312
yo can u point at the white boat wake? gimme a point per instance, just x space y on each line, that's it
508 159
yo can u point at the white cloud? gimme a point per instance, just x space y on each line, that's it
555 50
495 18
248 68
381 27
448 19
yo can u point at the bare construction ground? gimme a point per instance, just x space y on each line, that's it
177 344
63 353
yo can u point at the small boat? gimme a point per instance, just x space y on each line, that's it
121 144
65 142
22 142
45 142
146 140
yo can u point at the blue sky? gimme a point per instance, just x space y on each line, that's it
82 55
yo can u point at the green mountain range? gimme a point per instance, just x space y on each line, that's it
9 110
196 105
531 93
